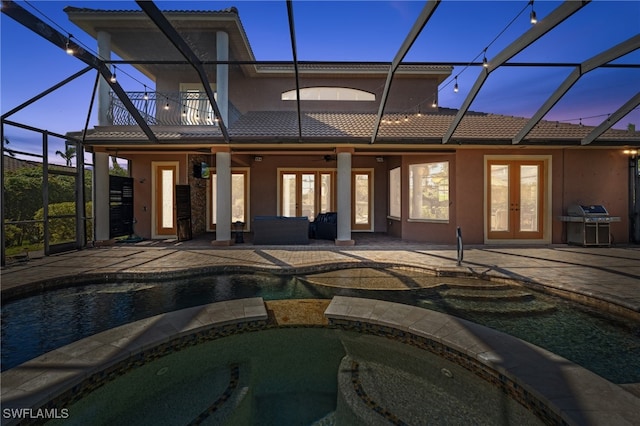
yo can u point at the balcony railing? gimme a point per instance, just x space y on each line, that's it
167 109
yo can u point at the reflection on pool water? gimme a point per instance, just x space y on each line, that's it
610 348
299 376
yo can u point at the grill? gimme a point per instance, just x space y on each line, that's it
589 225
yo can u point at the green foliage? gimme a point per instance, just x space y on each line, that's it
23 191
61 229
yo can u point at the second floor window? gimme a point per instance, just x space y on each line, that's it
329 94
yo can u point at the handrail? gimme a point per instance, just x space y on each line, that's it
459 246
168 109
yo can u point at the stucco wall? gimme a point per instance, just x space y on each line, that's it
598 176
264 94
141 171
587 176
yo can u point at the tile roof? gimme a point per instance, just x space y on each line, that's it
475 128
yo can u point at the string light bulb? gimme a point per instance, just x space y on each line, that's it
434 104
166 106
485 63
113 78
146 95
69 49
455 86
532 16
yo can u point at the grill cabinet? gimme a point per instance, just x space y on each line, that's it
589 225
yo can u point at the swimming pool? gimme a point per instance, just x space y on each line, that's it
323 377
607 346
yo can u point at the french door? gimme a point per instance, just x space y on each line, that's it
515 199
306 193
165 179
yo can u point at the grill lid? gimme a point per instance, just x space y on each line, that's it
584 211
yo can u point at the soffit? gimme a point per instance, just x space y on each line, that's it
134 37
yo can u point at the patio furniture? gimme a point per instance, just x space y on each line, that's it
280 230
324 226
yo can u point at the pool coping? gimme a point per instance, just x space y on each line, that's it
575 394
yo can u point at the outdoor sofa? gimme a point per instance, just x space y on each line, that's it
280 230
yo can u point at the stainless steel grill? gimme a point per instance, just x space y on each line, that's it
589 225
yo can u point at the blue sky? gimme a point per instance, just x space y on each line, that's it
459 31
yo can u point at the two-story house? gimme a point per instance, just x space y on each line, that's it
258 150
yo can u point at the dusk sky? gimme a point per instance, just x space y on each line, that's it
459 31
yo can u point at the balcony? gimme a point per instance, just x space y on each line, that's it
167 109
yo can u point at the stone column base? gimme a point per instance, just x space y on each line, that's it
345 242
221 243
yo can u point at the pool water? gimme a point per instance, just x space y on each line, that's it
298 376
608 347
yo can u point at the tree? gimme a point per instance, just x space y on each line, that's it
68 154
116 169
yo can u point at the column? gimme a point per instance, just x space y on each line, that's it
104 52
344 198
223 196
222 75
101 196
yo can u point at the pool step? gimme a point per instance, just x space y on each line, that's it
487 295
486 299
474 285
489 307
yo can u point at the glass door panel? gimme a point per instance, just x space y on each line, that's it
326 191
238 198
361 201
308 198
289 200
499 198
529 200
165 208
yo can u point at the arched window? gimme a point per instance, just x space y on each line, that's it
329 94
